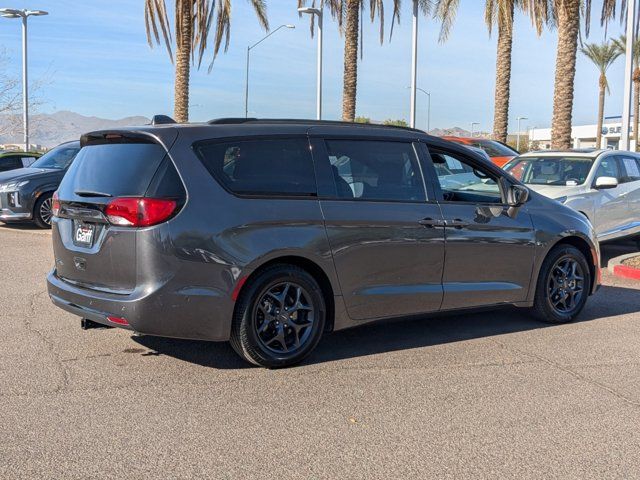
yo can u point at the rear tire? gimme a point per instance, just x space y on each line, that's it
563 285
42 211
279 317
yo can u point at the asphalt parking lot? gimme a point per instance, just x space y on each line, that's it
491 395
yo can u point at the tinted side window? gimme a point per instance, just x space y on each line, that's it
376 170
270 166
10 163
609 168
461 181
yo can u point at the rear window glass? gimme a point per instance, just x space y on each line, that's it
116 169
274 166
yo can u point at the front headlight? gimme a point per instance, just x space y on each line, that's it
561 199
10 187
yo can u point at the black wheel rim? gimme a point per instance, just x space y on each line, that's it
284 318
45 211
565 286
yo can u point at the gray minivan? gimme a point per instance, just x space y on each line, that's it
269 233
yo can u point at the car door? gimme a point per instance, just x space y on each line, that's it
489 253
383 228
630 184
611 204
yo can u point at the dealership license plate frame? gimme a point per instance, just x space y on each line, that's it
88 231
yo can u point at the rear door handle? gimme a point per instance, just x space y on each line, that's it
431 223
457 223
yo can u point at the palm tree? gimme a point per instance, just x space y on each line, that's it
194 20
602 56
500 14
349 12
566 16
621 45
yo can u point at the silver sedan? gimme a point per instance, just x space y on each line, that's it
604 185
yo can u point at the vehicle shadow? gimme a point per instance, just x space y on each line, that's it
388 336
615 249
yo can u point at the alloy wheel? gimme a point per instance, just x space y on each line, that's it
565 286
284 318
45 210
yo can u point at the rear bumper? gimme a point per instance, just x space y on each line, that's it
187 314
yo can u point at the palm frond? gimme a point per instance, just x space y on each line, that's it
602 55
155 15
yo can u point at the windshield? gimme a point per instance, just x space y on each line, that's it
495 149
58 158
565 171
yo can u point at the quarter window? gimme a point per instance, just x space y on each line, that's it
461 181
376 170
274 166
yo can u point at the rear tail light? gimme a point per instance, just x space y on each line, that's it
55 205
139 212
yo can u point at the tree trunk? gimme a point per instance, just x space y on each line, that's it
568 12
603 89
636 105
503 79
351 61
184 10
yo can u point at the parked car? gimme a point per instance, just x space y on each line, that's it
603 185
499 152
14 160
25 193
269 233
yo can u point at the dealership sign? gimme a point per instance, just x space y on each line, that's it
615 130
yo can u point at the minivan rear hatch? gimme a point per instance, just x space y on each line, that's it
119 186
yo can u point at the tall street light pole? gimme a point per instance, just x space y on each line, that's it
23 14
414 66
518 133
628 72
319 13
428 94
246 89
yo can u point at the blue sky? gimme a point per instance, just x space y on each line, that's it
96 61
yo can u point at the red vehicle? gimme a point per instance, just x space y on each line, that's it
499 152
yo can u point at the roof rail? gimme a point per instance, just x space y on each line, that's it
276 121
230 120
162 120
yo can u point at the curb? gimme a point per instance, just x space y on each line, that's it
623 271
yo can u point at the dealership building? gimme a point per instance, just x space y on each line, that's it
584 136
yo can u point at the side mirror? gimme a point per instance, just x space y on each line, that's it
517 195
603 183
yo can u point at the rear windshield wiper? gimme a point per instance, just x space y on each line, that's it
90 193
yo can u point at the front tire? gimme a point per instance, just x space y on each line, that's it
563 285
279 317
42 211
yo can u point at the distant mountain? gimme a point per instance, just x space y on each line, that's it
451 132
49 130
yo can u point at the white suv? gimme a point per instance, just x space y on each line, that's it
604 185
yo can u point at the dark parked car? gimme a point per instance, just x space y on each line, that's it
269 233
25 193
13 160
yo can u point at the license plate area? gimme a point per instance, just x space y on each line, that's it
83 234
